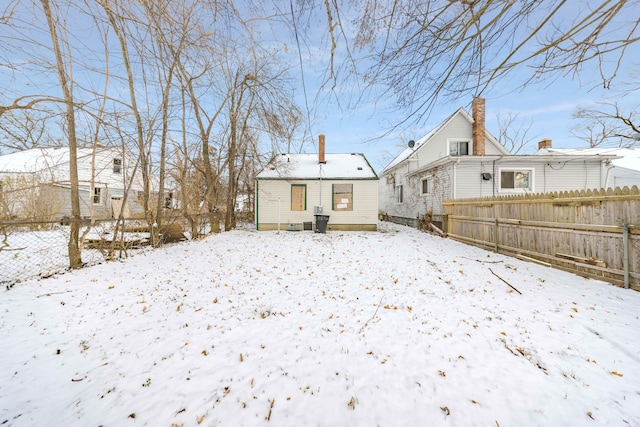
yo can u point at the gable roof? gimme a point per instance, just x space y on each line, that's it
306 166
628 158
38 159
429 136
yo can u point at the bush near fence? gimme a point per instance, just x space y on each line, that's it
593 233
31 249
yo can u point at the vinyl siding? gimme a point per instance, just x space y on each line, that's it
274 203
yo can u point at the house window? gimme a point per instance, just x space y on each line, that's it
117 165
97 195
298 197
427 185
342 197
516 179
398 194
459 148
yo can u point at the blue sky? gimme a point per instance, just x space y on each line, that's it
547 106
360 128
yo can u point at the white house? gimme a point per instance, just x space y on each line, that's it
461 159
35 183
293 188
623 171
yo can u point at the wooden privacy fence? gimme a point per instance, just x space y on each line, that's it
593 233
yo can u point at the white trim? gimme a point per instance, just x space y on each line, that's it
458 140
429 191
97 191
531 187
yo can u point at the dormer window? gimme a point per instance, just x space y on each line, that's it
117 165
459 148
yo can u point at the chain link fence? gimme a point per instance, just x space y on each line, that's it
39 249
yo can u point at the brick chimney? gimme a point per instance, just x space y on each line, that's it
545 143
321 149
478 128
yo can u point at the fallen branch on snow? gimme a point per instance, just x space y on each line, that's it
374 314
508 284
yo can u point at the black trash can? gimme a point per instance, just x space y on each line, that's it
321 223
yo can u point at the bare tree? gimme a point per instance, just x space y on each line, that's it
605 123
426 50
66 85
25 129
512 135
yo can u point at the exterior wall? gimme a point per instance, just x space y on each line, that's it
415 203
57 199
462 180
579 174
273 204
621 177
458 128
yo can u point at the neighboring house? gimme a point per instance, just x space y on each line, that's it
461 159
35 183
293 188
621 172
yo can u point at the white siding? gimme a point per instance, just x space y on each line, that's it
459 128
469 182
579 174
415 203
274 203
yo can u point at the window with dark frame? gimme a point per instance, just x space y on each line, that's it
342 197
97 195
298 197
117 165
427 185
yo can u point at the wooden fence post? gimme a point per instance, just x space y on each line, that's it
625 251
495 236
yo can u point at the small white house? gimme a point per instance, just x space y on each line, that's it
294 188
461 159
35 183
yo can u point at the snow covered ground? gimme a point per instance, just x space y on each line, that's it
246 328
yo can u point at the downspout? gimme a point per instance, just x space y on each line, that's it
604 183
255 197
320 203
495 179
455 173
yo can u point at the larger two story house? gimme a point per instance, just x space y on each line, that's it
460 159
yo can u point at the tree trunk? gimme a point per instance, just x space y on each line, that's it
75 260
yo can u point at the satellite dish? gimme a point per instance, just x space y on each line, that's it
411 143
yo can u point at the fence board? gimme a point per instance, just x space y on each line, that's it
585 225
